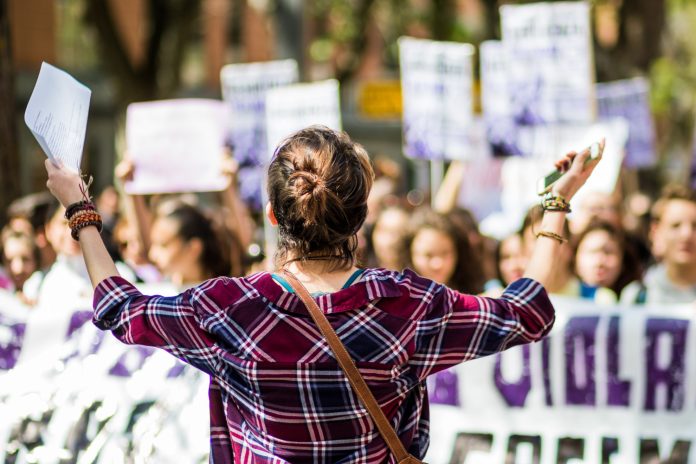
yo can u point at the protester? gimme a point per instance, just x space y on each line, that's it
673 236
186 248
605 263
440 251
510 259
388 235
21 258
264 354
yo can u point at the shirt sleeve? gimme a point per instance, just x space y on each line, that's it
170 323
459 327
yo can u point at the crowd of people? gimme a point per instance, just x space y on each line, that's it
181 240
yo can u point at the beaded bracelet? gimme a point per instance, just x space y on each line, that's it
555 202
552 235
83 216
78 206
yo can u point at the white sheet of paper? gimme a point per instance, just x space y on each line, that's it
176 146
57 115
294 107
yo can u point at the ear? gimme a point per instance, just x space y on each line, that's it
271 216
195 245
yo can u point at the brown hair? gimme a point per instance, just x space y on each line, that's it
318 183
467 275
669 193
631 268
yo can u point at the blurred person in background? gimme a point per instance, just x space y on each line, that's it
440 251
605 264
30 214
510 261
186 247
21 258
596 205
387 238
673 236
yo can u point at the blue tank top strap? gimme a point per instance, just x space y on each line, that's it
284 283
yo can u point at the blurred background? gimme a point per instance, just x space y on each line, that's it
137 50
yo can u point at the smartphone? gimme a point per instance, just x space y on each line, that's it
544 184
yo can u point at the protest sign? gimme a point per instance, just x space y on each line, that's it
550 62
437 92
57 115
629 99
176 146
546 144
609 385
244 88
294 107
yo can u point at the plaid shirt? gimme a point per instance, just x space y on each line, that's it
278 396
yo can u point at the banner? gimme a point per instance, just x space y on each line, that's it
244 88
550 62
630 99
437 91
176 146
609 385
291 108
84 397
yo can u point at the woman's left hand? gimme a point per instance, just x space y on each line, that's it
65 184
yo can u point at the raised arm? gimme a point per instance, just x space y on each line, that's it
542 264
67 187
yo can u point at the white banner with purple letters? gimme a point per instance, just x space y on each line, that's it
609 385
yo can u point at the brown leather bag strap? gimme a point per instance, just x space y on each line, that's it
356 381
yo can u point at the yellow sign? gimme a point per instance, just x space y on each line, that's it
380 99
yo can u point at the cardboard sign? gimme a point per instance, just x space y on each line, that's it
550 62
291 108
176 146
437 90
630 99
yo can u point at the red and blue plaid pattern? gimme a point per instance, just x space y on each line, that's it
278 396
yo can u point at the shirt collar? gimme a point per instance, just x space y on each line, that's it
373 285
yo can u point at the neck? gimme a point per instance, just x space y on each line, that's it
683 275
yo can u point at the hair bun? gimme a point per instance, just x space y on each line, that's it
307 183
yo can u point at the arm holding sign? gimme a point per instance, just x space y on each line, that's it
576 169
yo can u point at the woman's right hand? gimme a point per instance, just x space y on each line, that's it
577 170
124 170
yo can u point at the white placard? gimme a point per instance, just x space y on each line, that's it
244 88
630 99
176 146
495 91
436 83
551 64
291 108
57 115
550 143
